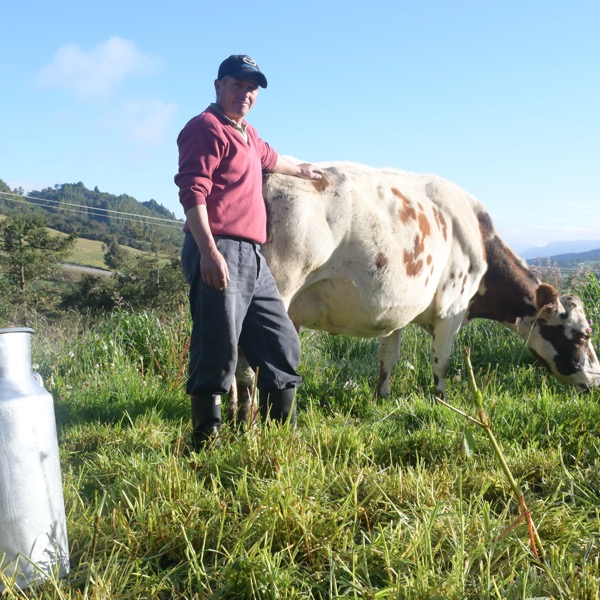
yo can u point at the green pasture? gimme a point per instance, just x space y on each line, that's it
395 498
90 253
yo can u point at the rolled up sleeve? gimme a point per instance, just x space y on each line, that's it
200 154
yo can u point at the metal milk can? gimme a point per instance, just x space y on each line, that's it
33 529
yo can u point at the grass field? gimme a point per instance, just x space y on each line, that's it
90 253
399 498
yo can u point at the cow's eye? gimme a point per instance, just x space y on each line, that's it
581 336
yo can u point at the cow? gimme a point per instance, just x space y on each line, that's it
366 251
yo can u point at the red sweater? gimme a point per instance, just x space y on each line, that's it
218 168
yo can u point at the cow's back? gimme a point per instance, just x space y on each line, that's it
365 251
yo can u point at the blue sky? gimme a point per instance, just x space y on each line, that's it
502 97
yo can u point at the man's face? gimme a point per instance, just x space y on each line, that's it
235 97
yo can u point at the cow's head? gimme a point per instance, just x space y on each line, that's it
560 336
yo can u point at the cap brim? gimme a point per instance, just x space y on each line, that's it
262 80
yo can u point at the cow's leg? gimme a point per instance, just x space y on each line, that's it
444 334
242 405
389 353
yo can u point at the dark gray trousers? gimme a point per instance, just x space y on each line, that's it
249 313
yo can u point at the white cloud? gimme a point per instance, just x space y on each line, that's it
99 70
148 121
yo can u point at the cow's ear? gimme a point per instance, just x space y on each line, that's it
546 297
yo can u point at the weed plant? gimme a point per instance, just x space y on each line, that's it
381 499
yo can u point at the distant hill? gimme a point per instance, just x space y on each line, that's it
571 260
560 248
95 215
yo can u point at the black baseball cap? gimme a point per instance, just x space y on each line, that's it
239 66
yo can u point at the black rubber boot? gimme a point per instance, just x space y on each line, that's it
278 405
206 420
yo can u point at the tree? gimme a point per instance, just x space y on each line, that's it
91 294
152 282
29 255
115 254
143 282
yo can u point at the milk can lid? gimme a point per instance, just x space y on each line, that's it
17 330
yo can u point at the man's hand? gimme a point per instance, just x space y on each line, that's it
213 267
308 171
214 270
303 170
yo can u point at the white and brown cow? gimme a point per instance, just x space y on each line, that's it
366 251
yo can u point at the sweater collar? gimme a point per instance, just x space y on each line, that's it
241 127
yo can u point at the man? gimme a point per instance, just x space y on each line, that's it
233 296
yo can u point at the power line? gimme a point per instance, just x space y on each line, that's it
94 210
90 212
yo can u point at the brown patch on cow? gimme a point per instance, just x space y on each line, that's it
441 222
414 264
430 264
464 284
413 260
424 225
407 213
400 195
381 260
320 185
510 287
413 267
546 297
